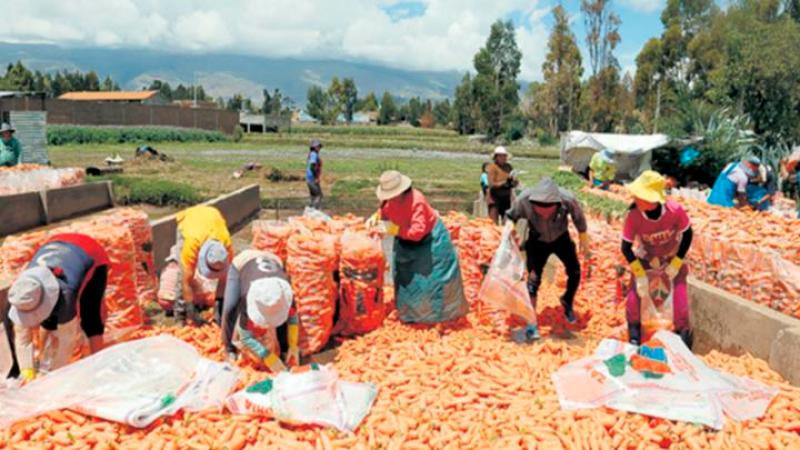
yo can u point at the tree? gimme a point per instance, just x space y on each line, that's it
442 112
108 84
165 90
388 110
464 114
495 85
562 71
602 36
792 9
602 33
322 106
413 111
368 103
426 120
236 103
346 95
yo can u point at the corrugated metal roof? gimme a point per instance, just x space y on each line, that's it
108 95
32 133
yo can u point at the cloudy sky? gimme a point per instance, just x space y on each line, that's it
418 34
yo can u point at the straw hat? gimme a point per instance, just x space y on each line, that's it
650 186
500 150
392 183
268 302
33 296
7 127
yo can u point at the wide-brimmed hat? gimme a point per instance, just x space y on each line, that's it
7 127
500 150
315 143
650 186
608 156
212 261
546 191
391 184
33 296
268 302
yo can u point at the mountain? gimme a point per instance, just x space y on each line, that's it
226 74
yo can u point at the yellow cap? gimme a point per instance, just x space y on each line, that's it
650 186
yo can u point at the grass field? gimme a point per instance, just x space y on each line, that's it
352 165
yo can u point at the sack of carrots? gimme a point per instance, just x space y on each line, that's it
272 236
504 292
311 261
361 306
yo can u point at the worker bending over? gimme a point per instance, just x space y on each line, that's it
730 189
258 303
62 292
602 169
203 244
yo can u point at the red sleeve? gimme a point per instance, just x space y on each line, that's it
629 228
418 225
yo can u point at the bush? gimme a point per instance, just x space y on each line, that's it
546 140
133 190
515 128
238 134
67 134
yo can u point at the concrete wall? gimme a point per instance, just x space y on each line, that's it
125 114
28 210
733 325
238 208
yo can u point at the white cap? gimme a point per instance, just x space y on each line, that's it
33 296
268 302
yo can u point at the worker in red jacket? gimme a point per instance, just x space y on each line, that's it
62 292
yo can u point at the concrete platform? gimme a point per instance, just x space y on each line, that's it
733 325
21 212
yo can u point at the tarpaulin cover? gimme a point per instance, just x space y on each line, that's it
632 152
133 383
690 392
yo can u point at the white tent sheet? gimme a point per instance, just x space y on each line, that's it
632 152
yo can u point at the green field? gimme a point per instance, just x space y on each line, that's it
442 164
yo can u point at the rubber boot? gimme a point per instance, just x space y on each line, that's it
687 337
569 314
634 334
180 312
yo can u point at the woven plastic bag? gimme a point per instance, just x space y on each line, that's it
311 261
314 397
504 292
361 306
657 308
272 236
133 383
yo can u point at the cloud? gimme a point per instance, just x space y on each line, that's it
418 34
645 6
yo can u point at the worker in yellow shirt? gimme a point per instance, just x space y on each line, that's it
203 244
602 169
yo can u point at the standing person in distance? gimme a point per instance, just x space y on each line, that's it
501 184
314 174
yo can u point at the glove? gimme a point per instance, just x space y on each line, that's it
583 239
392 229
642 284
231 357
674 267
274 363
293 357
27 374
374 220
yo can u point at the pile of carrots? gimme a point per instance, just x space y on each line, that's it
126 236
752 254
456 386
34 177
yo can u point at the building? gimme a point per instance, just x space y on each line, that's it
140 97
